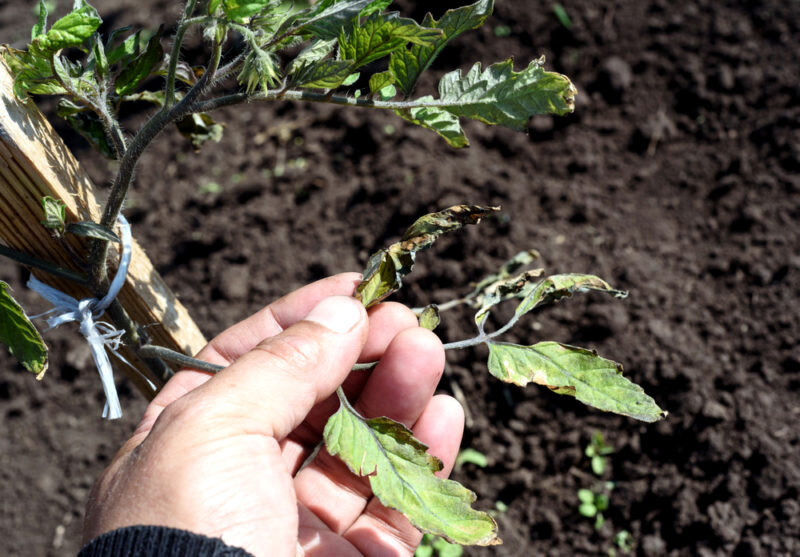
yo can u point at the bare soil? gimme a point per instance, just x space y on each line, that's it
675 179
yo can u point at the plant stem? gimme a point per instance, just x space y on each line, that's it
174 55
311 96
119 191
160 352
51 268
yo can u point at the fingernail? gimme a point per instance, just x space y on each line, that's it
337 313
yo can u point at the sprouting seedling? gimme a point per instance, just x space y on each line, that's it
594 502
434 546
471 456
598 452
624 541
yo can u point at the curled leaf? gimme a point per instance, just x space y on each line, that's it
555 287
55 211
199 128
18 333
429 318
573 371
402 476
502 290
387 267
92 230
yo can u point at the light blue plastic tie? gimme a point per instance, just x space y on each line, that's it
99 334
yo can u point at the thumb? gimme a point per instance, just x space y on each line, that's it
272 388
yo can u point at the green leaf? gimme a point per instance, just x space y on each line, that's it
446 549
199 128
401 475
328 17
387 267
100 60
90 229
380 35
72 30
499 95
240 11
556 287
374 7
429 318
408 64
40 27
586 496
471 456
352 78
55 211
573 371
327 74
387 93
562 16
142 67
18 333
314 52
380 80
32 74
437 120
86 123
129 49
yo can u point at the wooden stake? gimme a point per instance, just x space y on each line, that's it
35 162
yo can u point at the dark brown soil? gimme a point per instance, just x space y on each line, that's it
676 179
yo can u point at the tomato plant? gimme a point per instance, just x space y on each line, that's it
351 53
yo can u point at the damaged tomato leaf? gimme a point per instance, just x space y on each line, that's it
555 287
19 334
430 318
569 370
386 268
402 476
501 290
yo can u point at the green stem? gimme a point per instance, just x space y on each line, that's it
119 190
51 268
174 55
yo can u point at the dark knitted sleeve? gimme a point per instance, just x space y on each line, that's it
158 541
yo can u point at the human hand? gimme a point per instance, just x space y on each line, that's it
219 455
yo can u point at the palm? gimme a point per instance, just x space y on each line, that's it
248 486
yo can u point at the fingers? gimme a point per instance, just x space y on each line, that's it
385 321
400 387
269 390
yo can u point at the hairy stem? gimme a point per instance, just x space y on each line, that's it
175 52
51 268
119 191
